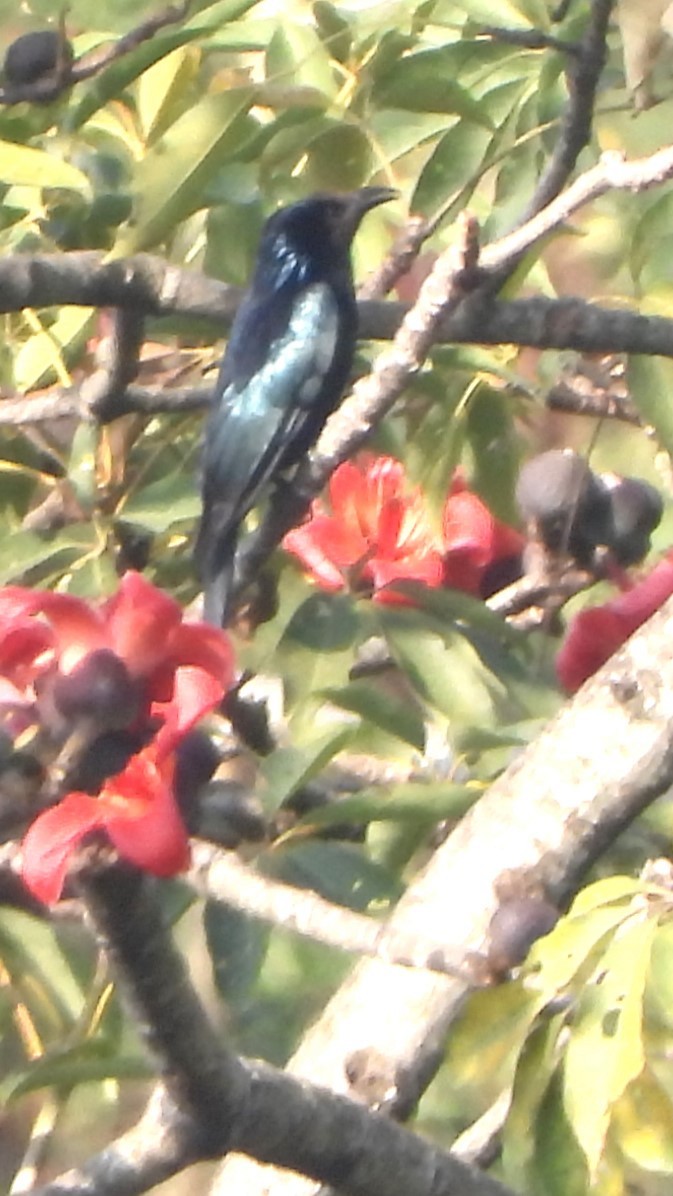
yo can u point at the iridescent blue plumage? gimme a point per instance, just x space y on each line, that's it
287 362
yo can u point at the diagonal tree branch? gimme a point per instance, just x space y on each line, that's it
595 767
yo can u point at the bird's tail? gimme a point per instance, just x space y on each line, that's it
216 568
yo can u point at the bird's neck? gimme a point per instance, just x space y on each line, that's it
287 265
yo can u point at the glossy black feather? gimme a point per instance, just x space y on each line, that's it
287 362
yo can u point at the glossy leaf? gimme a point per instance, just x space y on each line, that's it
408 802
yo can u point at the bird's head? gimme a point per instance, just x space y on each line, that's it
322 226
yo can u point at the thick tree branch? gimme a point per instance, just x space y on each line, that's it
219 1102
595 767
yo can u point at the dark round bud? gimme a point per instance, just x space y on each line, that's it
196 761
228 814
567 503
513 929
637 508
107 755
98 688
35 55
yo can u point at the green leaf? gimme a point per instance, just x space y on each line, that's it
340 872
442 665
339 158
508 14
46 353
297 56
422 83
534 1071
289 768
237 945
643 1126
560 1167
606 1052
409 802
161 86
22 552
156 507
114 80
486 1042
569 953
169 182
660 979
650 384
20 165
452 170
390 714
85 1063
38 968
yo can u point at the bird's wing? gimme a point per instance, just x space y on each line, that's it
256 422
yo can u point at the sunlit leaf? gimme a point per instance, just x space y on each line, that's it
169 182
605 1052
24 166
650 383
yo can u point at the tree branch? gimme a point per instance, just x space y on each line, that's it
218 1102
596 766
221 876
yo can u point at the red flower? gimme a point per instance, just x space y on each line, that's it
49 635
474 540
378 532
129 662
137 809
595 634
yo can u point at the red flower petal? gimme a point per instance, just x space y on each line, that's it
595 634
77 628
313 546
50 841
22 643
141 816
195 693
140 621
429 570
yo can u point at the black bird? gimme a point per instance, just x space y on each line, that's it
288 359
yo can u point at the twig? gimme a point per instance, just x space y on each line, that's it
222 876
102 393
49 87
530 39
399 259
584 71
578 394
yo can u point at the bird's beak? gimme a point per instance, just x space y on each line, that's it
360 202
